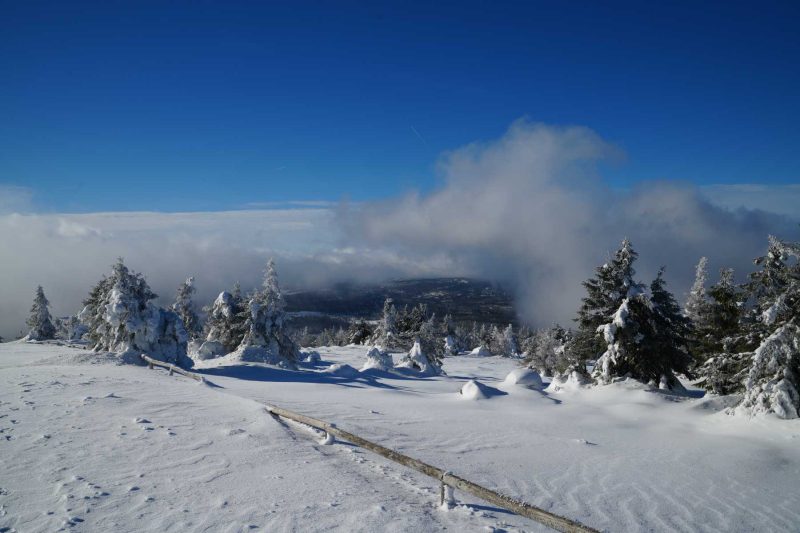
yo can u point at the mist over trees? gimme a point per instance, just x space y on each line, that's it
733 339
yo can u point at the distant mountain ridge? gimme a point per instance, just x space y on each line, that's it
464 299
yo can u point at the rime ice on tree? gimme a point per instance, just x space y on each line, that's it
121 318
265 339
40 321
184 307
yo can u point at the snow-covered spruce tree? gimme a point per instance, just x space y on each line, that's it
427 353
509 344
184 307
495 340
623 336
668 347
40 321
225 324
409 324
359 332
696 311
544 351
378 359
645 336
448 332
430 338
70 328
606 292
722 342
696 307
265 339
772 382
386 333
121 318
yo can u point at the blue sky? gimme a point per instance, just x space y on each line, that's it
114 106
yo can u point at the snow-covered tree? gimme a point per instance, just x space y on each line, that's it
121 317
772 382
450 335
225 324
431 341
409 323
386 333
722 343
696 307
378 359
40 322
545 351
646 336
184 307
70 328
623 336
611 285
359 332
508 344
265 339
418 360
668 345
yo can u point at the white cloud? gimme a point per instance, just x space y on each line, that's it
530 209
68 253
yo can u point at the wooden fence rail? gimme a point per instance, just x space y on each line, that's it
172 368
446 478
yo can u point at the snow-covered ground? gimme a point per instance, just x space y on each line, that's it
87 445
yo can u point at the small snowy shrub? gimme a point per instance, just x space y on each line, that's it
378 359
417 359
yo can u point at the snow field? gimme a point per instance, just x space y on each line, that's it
103 447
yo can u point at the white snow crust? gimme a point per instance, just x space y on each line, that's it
91 445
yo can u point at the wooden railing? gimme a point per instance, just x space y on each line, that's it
448 481
172 368
519 507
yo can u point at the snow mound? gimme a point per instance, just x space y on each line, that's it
481 351
209 350
475 390
342 370
258 354
310 356
378 359
567 382
524 377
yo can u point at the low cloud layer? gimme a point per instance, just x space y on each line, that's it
68 254
528 209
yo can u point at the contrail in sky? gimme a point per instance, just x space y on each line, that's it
418 135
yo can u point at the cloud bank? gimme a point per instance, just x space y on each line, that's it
529 209
68 254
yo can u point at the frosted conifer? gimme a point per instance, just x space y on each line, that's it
40 321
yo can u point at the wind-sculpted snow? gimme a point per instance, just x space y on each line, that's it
103 447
